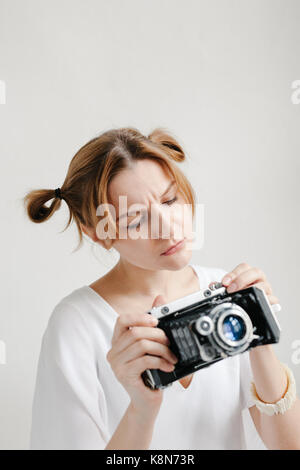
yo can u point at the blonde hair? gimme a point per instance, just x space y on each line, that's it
95 165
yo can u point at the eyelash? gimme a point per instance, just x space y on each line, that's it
167 202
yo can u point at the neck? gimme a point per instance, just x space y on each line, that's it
144 282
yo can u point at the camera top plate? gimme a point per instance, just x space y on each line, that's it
187 301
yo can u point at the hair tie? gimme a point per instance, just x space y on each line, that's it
58 193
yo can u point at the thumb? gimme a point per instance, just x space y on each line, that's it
159 300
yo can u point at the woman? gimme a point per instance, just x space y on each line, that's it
99 339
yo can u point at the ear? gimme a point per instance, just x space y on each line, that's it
91 233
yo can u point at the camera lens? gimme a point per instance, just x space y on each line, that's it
234 328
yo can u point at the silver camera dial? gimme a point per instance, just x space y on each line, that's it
204 325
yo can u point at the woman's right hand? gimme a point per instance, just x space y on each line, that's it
136 346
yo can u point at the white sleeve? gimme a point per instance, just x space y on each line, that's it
69 408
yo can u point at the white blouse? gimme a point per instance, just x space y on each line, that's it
78 402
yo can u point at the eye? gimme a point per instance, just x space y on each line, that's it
136 225
171 201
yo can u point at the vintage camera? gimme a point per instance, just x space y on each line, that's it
210 325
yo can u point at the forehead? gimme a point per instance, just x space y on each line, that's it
144 180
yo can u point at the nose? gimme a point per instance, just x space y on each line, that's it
166 224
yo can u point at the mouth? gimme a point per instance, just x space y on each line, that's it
172 249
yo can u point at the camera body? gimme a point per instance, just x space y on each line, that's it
210 325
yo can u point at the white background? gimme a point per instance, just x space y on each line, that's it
217 74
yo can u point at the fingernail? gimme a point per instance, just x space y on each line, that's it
226 280
232 287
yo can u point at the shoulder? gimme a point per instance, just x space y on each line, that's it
68 310
70 323
78 320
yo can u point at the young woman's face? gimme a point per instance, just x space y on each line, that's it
151 206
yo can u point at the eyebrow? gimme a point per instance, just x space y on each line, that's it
165 192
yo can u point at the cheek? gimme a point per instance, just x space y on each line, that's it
182 218
135 249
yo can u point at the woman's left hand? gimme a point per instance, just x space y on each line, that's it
245 276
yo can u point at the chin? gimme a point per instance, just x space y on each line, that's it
176 261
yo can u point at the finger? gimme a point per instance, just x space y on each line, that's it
128 320
265 286
273 300
159 300
137 333
245 279
234 273
137 366
145 346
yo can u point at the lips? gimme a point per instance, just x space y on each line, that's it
171 248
